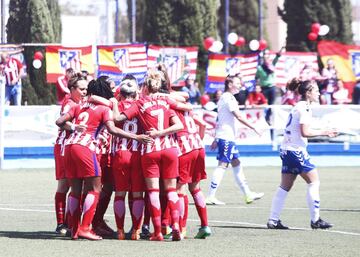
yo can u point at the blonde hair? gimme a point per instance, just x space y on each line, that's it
153 80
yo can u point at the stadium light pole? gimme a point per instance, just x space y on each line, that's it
2 21
226 24
133 21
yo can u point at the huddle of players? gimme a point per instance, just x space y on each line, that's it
144 140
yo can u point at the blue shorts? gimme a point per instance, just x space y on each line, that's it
295 162
227 151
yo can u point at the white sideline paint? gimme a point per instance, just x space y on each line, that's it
196 220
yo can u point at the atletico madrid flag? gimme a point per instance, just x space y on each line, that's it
60 58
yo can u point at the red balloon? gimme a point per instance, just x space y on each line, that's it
38 55
208 42
204 99
240 42
315 28
262 44
312 36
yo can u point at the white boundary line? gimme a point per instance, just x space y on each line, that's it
210 221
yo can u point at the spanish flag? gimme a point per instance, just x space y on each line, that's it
60 58
346 59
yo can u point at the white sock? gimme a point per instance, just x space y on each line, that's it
241 180
215 180
313 200
278 203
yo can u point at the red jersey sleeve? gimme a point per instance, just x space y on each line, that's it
107 114
74 110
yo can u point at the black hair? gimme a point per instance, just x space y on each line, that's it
101 88
229 79
302 87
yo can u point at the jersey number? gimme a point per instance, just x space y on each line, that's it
159 114
83 118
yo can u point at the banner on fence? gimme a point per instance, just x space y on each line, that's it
60 58
116 61
221 65
179 61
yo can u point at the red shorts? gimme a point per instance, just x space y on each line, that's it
161 164
105 164
59 163
192 167
80 162
127 172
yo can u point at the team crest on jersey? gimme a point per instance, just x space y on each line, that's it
232 65
121 58
70 59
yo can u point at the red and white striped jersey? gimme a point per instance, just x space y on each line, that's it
104 141
65 108
188 138
94 117
132 126
12 69
153 113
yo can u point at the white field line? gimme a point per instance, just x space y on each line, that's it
195 220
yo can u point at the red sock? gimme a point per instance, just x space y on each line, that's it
155 209
147 210
89 208
130 202
200 204
82 200
137 212
165 211
60 205
186 210
182 210
119 210
174 206
67 214
103 204
74 211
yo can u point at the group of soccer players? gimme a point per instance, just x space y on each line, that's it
145 141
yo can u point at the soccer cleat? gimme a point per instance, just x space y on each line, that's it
103 229
211 200
167 232
121 234
61 229
176 235
88 234
275 224
320 224
203 233
135 234
183 233
252 197
158 237
145 232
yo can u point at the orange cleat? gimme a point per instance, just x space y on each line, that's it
135 235
120 234
157 237
88 234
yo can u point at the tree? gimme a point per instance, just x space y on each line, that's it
54 9
299 15
30 22
181 23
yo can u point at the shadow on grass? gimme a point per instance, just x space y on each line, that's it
33 235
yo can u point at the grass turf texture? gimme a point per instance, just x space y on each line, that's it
28 220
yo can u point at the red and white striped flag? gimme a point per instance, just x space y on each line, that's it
179 61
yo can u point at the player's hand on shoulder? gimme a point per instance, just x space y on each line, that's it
153 133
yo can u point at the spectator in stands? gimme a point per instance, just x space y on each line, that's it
193 89
62 90
256 98
87 75
12 69
217 95
290 98
330 77
242 95
341 94
356 93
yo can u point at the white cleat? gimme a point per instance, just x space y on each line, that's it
213 201
253 196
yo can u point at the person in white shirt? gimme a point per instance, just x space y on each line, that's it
226 128
295 158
